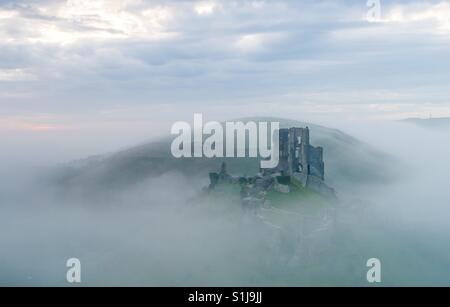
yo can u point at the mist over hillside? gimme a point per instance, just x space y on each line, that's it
90 91
348 163
134 227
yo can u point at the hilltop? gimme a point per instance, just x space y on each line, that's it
349 163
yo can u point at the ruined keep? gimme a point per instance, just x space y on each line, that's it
297 155
300 164
300 161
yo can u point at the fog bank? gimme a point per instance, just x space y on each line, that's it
159 232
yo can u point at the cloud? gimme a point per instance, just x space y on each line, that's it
14 75
80 20
100 54
432 17
206 7
258 41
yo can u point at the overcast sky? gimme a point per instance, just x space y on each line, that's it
82 62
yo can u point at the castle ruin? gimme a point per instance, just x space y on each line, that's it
300 161
300 164
297 156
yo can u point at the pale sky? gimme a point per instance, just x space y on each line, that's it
80 63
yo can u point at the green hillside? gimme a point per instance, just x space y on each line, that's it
348 163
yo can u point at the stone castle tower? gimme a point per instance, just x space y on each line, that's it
300 161
298 156
299 164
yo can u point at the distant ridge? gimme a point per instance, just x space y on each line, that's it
430 122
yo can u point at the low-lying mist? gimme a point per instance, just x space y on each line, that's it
159 232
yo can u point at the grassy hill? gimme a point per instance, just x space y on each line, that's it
348 162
